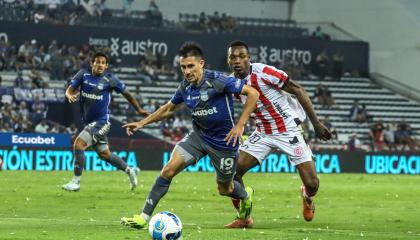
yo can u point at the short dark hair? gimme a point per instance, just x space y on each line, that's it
99 54
190 49
239 43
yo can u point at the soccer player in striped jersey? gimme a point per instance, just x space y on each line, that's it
94 87
208 95
278 116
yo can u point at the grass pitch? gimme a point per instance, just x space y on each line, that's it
349 206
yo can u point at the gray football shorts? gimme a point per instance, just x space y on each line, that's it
94 134
193 148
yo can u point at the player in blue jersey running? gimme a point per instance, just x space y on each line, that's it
208 95
94 87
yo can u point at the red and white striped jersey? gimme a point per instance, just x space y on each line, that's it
276 109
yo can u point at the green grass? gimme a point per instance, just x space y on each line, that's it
349 206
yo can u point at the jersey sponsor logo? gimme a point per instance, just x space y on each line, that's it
92 96
193 98
283 113
205 112
86 74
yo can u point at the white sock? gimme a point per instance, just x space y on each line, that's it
76 179
145 217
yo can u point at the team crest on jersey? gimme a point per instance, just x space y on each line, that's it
100 86
204 96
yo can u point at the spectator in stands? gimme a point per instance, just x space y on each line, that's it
180 123
356 113
153 7
215 22
5 127
203 22
56 128
72 130
3 52
42 127
166 128
22 125
319 34
389 136
36 79
322 64
327 123
377 136
338 62
127 6
23 110
354 143
177 134
23 52
403 136
39 16
19 81
149 106
364 115
324 97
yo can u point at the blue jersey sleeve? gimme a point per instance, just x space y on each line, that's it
77 80
116 84
177 97
234 85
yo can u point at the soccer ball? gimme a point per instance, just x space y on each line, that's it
165 226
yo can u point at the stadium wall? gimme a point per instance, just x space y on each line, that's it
392 27
130 45
61 159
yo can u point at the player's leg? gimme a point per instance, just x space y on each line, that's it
309 189
252 152
300 155
105 154
184 154
245 162
80 144
225 163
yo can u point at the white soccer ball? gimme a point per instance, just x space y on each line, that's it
165 226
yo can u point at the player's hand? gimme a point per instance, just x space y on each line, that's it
73 97
144 113
235 134
130 128
322 132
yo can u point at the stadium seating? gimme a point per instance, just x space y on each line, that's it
382 104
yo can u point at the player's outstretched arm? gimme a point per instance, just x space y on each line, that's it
296 89
133 101
236 132
163 112
72 94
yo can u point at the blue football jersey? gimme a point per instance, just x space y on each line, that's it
95 94
211 106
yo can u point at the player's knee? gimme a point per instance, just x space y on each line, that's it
224 191
104 155
168 173
78 145
312 186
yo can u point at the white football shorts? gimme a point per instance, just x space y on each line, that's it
291 143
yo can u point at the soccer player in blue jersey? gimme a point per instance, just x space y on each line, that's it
208 95
94 87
